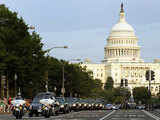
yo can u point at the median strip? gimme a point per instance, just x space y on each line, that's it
108 115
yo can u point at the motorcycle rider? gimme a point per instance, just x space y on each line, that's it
18 107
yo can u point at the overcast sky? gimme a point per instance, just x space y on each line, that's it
84 25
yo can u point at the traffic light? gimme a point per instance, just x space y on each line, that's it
147 74
152 75
122 83
126 82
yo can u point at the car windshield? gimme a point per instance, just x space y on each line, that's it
41 96
61 100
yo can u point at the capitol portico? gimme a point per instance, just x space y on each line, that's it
122 59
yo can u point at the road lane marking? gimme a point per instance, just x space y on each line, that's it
151 115
108 115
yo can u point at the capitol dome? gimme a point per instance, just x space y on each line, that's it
122 43
122 26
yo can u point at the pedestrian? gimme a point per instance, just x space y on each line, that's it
9 100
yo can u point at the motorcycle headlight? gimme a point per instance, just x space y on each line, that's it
57 103
85 104
62 106
89 105
79 104
74 105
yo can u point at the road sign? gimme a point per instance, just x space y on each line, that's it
63 90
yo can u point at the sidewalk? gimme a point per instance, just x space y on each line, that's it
4 113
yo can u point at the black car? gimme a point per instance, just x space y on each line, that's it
35 107
64 106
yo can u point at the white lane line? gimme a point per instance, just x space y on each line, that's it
151 115
107 115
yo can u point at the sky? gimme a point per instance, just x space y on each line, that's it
84 25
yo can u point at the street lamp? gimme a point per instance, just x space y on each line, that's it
55 89
48 50
15 84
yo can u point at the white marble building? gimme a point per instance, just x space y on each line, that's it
122 59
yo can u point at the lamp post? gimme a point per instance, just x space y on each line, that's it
48 50
55 89
63 89
15 83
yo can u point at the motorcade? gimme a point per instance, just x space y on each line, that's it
75 104
71 102
18 107
64 106
98 105
36 106
84 104
48 106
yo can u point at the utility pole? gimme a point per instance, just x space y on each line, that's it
46 74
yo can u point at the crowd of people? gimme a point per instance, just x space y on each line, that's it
5 105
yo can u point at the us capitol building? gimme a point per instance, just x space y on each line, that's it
122 59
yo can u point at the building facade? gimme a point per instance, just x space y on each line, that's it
122 59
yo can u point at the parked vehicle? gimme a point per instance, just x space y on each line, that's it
36 106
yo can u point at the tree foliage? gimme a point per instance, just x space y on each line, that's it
78 81
21 53
109 83
141 94
116 95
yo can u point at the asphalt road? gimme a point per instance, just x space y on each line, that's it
94 115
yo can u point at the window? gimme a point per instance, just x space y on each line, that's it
101 74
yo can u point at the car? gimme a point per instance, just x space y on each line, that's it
75 104
64 106
116 107
71 102
108 106
140 107
35 106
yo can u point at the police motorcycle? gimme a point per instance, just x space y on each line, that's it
18 107
47 107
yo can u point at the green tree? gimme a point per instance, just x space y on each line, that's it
77 79
109 83
141 94
21 54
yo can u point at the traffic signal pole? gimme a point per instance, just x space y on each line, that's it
149 81
149 86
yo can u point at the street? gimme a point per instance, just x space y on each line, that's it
94 115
